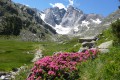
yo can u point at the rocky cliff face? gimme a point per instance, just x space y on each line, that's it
71 21
20 20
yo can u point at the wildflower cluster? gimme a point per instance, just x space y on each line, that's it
60 65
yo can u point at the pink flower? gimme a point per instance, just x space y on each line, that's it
38 78
51 73
59 63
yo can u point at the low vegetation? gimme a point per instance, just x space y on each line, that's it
15 53
116 32
67 46
60 66
106 66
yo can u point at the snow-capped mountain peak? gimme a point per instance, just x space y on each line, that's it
70 20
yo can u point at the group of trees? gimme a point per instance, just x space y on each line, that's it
11 26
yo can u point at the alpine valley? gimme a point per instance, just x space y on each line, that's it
34 25
63 43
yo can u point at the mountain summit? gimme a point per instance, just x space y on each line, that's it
70 21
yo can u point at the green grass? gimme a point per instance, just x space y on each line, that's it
68 46
14 53
24 73
105 36
105 67
48 49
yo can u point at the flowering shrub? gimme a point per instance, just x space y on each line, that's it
60 66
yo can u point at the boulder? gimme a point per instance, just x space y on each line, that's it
87 39
88 44
104 47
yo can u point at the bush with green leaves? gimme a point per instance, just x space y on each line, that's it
116 31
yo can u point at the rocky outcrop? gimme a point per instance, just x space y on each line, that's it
104 47
87 39
88 44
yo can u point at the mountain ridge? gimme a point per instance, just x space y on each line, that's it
72 19
25 21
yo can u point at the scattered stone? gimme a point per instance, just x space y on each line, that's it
83 49
104 47
88 44
87 39
38 55
104 50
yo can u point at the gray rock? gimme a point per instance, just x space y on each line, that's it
104 47
87 39
82 49
88 44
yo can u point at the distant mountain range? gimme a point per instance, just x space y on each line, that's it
70 21
32 24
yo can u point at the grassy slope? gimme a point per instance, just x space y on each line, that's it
106 66
105 36
14 53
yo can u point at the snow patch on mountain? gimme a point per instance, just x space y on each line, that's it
85 23
42 16
76 29
97 21
62 30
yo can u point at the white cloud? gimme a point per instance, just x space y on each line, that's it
59 5
71 2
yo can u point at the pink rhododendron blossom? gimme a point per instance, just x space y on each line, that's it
59 64
51 73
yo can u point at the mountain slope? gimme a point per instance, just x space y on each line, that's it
17 19
70 21
105 24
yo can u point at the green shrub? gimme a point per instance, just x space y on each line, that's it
116 31
11 26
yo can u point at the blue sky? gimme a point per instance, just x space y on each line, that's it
103 7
